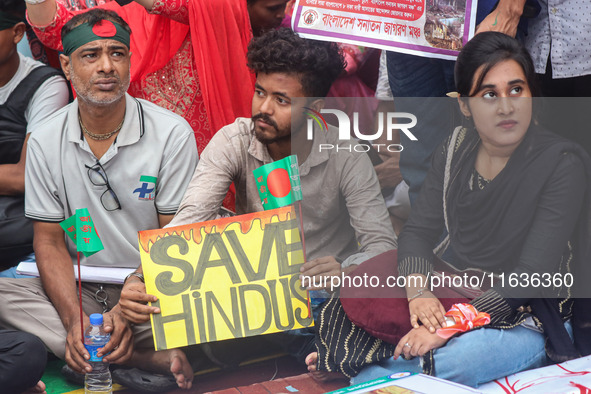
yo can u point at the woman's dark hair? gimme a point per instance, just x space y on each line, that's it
94 16
489 49
316 63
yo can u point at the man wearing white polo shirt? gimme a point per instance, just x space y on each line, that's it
129 162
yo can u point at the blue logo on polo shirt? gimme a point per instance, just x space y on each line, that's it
146 190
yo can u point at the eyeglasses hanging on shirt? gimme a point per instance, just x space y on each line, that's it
98 177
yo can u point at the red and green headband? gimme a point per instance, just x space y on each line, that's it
85 33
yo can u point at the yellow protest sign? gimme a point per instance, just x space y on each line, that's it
227 278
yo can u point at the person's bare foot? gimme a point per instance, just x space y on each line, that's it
165 361
39 388
312 361
181 369
321 376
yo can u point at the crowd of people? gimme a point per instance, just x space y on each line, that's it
189 97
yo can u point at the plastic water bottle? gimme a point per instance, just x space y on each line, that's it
99 380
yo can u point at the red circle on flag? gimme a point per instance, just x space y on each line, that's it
278 183
104 28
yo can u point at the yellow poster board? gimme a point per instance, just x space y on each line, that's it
227 278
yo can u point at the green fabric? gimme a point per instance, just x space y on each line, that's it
54 381
278 183
7 21
83 34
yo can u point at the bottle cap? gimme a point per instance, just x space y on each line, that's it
96 319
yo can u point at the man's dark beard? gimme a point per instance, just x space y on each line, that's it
265 118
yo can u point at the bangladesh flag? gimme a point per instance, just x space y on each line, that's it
278 183
80 228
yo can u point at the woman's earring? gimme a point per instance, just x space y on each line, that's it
467 121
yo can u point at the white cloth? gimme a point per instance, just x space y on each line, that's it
148 166
49 97
398 202
562 31
383 91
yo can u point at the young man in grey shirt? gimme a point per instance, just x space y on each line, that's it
344 215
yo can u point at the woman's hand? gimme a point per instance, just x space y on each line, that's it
417 342
428 310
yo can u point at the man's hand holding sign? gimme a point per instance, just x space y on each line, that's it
134 300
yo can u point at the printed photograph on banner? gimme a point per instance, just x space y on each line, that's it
227 278
444 26
430 28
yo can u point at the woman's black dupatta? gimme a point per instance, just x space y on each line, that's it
489 227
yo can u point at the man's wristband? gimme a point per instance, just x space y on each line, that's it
136 274
34 2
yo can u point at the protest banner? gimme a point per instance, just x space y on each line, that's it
228 278
431 28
